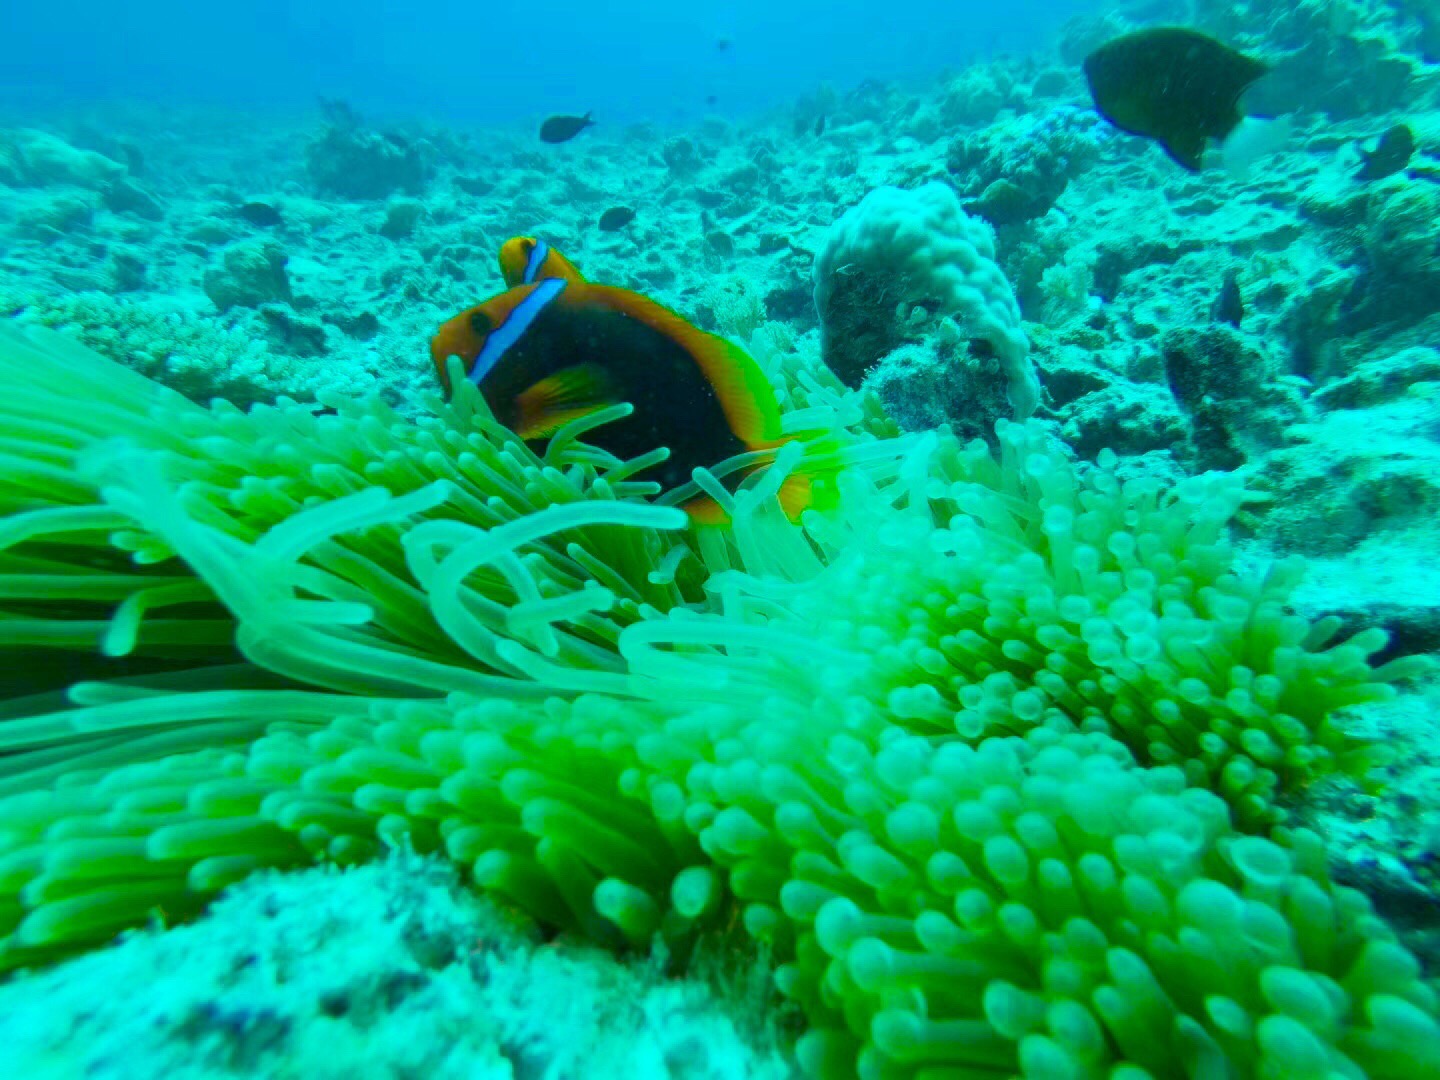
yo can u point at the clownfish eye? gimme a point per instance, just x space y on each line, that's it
480 323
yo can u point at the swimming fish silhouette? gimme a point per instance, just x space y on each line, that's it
1176 86
617 217
559 129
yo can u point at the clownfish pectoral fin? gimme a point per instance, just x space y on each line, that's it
796 494
812 484
705 511
557 399
807 489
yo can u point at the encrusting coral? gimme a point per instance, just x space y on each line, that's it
988 757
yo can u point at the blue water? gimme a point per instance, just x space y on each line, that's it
628 60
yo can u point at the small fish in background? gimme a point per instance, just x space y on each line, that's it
617 217
1391 154
525 260
553 351
820 125
1229 306
712 100
261 213
559 129
723 44
1174 85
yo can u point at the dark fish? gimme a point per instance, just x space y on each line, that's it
1229 307
1391 154
820 125
1176 86
560 129
617 217
474 185
258 212
551 352
712 99
723 44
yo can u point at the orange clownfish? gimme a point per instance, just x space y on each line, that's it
552 351
525 260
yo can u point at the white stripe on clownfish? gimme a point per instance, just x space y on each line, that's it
513 328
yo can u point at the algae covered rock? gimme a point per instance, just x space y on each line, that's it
1017 170
354 162
1126 417
388 970
681 156
924 386
63 211
1402 240
401 217
975 95
30 158
124 196
1351 474
1414 371
251 273
1237 403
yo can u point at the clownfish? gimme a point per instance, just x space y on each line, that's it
552 351
525 260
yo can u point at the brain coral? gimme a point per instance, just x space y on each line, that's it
987 757
896 250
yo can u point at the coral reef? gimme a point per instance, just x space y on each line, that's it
899 261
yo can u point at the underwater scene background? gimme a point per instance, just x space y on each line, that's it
753 541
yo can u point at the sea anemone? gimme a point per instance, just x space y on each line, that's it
988 757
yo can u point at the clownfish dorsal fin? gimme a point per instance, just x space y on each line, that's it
744 393
536 259
525 260
559 398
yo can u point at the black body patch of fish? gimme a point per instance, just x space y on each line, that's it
264 214
1229 306
1174 85
1391 154
616 217
559 129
